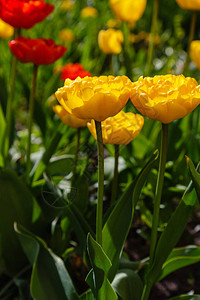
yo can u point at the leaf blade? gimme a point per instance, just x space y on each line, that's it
49 279
118 223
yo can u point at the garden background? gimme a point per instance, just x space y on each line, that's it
57 205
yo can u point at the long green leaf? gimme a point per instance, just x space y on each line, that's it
97 278
50 279
179 258
61 165
16 204
194 175
117 226
87 296
39 168
4 92
51 86
80 231
84 224
75 219
40 117
128 285
2 134
171 234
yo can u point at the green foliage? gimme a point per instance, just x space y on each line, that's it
169 236
17 205
194 175
50 150
2 135
118 224
98 275
128 285
179 258
49 278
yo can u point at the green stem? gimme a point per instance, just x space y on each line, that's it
152 39
99 215
77 151
30 121
146 291
115 179
112 64
127 52
9 107
159 186
158 193
191 37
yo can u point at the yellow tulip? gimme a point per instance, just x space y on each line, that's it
66 35
120 129
69 119
110 41
6 30
195 53
128 10
67 5
89 11
166 97
189 4
94 97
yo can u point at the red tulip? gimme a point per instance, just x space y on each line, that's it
24 13
37 51
72 71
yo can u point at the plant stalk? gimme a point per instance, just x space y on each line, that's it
9 107
76 154
99 215
112 64
158 193
159 187
152 39
127 51
30 122
115 179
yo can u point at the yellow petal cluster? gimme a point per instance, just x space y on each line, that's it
6 31
89 11
69 119
120 129
166 97
195 53
66 35
95 97
128 10
189 4
110 41
67 5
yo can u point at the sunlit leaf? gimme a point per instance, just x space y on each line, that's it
179 258
117 226
128 285
97 278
